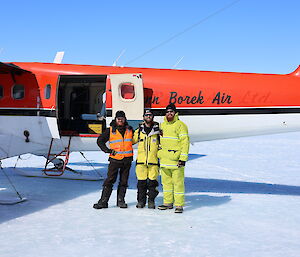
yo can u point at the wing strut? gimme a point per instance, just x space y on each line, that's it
11 202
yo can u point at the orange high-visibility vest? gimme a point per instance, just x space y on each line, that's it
123 146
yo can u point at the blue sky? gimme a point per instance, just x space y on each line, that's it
251 36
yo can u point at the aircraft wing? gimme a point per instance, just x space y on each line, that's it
12 145
10 67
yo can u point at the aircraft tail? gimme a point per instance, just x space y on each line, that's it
296 72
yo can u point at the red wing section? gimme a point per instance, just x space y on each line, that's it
10 68
19 88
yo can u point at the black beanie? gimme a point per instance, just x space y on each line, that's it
171 107
120 114
148 112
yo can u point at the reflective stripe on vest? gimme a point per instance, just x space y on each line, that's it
123 146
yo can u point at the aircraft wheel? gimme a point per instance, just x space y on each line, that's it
58 163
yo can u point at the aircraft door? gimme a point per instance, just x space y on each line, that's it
128 95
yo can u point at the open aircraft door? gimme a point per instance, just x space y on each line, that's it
128 95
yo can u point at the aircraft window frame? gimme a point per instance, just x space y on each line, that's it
20 90
122 94
47 91
1 91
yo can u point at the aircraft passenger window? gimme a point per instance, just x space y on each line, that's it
18 91
127 90
47 91
1 91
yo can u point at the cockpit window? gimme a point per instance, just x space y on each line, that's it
127 90
47 91
18 91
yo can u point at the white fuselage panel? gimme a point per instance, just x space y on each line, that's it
13 141
201 128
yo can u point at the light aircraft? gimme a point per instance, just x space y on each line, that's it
52 109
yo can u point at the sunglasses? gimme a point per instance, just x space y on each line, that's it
150 115
170 111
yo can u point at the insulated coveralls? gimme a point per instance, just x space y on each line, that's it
147 161
174 147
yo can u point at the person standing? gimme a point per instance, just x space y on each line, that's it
147 137
119 135
173 156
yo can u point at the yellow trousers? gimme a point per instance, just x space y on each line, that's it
143 172
173 186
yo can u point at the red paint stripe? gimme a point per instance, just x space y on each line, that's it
89 135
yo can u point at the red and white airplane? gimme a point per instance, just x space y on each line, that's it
67 106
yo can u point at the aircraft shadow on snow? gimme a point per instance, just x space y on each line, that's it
43 193
194 156
238 187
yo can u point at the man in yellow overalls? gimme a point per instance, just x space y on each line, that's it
147 137
173 155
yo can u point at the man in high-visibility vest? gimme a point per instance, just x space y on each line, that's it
173 155
147 137
119 135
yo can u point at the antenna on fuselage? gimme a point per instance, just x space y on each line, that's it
115 62
58 57
176 64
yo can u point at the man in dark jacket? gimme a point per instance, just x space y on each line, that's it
119 135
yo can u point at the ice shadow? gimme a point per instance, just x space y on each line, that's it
96 164
197 201
238 187
45 192
42 192
194 156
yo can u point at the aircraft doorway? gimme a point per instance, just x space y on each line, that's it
81 104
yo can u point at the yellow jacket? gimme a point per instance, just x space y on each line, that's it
147 144
174 143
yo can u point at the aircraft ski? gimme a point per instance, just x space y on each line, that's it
90 175
8 199
12 201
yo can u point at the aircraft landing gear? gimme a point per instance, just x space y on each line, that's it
58 163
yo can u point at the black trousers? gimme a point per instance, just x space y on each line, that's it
121 167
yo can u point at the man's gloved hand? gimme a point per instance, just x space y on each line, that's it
181 164
113 152
160 132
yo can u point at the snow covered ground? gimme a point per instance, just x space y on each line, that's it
243 199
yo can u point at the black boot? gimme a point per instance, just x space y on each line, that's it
103 202
151 204
121 197
152 193
141 193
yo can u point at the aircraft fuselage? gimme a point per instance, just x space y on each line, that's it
61 100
